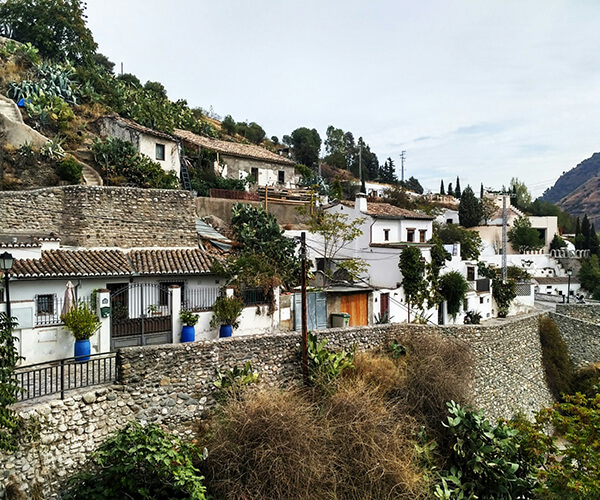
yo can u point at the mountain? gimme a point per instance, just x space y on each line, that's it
578 190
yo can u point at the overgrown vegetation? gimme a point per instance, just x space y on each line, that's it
10 422
453 288
555 357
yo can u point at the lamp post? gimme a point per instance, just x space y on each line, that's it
6 263
569 274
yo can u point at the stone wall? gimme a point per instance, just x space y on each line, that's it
584 312
91 216
221 208
173 384
582 337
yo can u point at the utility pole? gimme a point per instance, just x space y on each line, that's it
402 158
504 222
360 161
303 305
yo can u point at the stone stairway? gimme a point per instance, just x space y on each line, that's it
10 110
90 176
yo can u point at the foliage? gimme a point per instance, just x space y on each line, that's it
472 318
120 160
457 190
469 209
399 197
337 233
470 241
557 243
50 80
70 170
140 463
53 150
522 196
486 459
325 365
555 358
228 125
81 321
412 267
231 382
396 350
10 422
453 287
439 256
387 173
226 311
306 146
56 27
589 273
586 380
47 111
188 318
251 131
488 208
503 292
412 184
523 237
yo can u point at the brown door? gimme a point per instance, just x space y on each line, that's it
355 304
384 309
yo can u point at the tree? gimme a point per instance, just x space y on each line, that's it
306 146
156 87
488 208
450 190
469 209
589 274
585 232
387 172
337 233
228 125
335 148
523 237
481 192
470 241
56 27
275 139
557 243
522 198
9 387
594 243
412 267
442 191
453 288
413 184
255 133
457 191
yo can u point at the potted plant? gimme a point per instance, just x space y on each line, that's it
82 323
226 312
189 320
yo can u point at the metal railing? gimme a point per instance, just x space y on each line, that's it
200 299
254 296
57 377
48 308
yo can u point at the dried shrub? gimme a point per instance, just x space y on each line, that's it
379 371
555 358
438 371
586 380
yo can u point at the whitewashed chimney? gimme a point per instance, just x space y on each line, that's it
360 205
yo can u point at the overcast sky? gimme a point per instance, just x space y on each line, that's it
483 89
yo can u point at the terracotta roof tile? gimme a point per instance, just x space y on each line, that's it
140 128
385 210
73 263
172 261
233 148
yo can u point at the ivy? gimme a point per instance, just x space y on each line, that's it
453 287
9 387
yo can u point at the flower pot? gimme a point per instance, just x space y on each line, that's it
188 334
83 348
225 331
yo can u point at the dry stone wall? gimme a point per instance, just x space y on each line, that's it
584 312
173 385
90 216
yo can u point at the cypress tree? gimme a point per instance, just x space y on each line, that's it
457 191
481 192
585 231
442 191
450 190
469 209
594 243
577 227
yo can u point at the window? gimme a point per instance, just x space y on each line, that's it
160 151
281 177
254 174
470 273
1 295
449 221
386 235
45 304
163 296
481 300
410 235
422 235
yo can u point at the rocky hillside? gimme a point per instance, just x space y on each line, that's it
577 191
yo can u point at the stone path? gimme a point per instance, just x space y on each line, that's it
10 111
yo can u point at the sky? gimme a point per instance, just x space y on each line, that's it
486 90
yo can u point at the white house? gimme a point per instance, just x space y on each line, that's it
160 147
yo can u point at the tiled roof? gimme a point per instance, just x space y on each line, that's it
139 128
73 263
21 241
555 280
233 148
387 211
171 261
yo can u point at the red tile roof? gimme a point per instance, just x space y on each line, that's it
387 211
171 261
233 148
139 128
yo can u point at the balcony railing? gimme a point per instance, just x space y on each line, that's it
200 299
48 309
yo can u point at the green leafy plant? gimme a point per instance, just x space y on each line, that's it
70 170
555 358
143 463
226 311
472 317
231 382
81 321
188 318
382 319
412 267
523 237
397 350
326 365
10 422
454 288
503 292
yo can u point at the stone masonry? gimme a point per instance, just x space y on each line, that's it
579 325
91 216
173 385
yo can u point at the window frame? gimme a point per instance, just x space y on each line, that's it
281 177
163 149
410 235
386 235
51 302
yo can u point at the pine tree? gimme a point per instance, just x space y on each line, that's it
457 192
594 243
450 190
469 209
442 191
481 192
585 231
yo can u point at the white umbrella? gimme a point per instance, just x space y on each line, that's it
69 302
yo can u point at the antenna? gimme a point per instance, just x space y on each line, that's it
402 158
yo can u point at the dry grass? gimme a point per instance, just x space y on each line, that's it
379 371
587 379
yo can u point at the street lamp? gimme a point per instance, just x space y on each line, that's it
6 263
569 274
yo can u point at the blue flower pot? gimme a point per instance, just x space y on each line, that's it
225 331
188 334
83 348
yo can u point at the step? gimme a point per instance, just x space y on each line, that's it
8 110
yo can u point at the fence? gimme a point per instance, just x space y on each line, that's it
44 379
231 194
200 299
254 296
48 308
523 289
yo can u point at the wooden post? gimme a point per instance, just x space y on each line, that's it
266 198
304 319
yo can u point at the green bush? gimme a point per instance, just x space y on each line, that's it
453 287
188 318
586 380
555 357
226 311
81 321
232 382
70 170
326 365
140 463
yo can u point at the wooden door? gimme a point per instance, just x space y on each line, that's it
355 304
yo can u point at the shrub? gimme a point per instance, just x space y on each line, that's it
379 372
232 382
70 170
226 311
453 287
586 380
81 321
188 318
555 357
325 365
503 292
142 463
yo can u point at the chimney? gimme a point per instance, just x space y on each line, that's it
360 205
